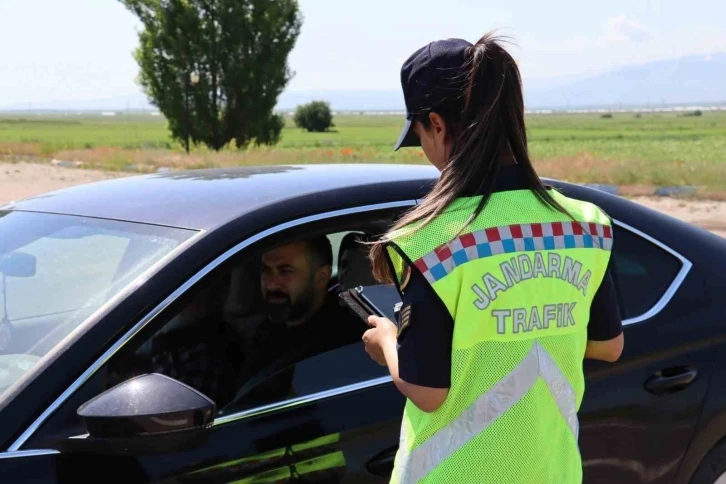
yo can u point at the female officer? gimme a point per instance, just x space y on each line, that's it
505 285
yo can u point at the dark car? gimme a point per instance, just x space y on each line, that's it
102 282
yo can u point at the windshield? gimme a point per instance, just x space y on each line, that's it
56 270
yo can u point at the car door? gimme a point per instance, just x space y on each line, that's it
29 466
341 429
638 414
344 427
341 423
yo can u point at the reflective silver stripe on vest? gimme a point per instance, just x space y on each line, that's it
401 456
560 389
487 408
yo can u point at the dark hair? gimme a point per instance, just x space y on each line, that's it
489 125
321 251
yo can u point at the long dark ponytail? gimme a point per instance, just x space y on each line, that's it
490 125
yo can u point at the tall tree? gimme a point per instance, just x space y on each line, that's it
224 59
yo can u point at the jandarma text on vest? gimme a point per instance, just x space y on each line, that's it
525 267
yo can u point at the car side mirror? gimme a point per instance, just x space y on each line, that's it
17 264
148 414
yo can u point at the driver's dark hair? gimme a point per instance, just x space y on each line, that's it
490 124
321 251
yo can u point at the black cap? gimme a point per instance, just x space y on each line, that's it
432 77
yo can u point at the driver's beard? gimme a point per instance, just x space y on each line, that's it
280 313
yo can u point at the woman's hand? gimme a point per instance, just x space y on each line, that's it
381 344
382 334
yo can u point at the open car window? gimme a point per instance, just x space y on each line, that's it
220 337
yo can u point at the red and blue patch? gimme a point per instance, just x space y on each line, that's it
440 262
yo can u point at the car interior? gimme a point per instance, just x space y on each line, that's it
234 295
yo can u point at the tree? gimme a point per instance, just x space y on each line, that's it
314 116
227 58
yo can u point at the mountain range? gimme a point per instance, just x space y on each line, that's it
685 80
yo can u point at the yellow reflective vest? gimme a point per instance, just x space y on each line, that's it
518 282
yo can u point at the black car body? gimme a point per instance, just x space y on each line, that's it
657 415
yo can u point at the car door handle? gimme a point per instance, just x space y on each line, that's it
670 380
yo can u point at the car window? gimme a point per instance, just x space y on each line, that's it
335 241
69 272
199 339
57 270
238 341
643 272
225 337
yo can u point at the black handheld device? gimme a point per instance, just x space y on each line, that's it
364 301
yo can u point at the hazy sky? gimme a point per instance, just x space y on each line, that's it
54 50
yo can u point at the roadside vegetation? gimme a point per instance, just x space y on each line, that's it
650 149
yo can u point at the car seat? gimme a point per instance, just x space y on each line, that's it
354 268
245 295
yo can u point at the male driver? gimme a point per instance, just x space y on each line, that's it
301 317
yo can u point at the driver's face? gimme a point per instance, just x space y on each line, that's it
287 276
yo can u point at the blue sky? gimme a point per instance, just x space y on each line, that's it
82 49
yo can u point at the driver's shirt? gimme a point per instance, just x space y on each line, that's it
424 347
330 327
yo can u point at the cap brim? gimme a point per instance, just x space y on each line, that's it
408 136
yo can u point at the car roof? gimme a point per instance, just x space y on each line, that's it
208 198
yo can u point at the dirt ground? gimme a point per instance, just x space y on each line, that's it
710 215
22 180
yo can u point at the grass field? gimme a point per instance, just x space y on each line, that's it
654 149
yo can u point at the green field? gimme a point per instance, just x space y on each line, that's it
653 149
